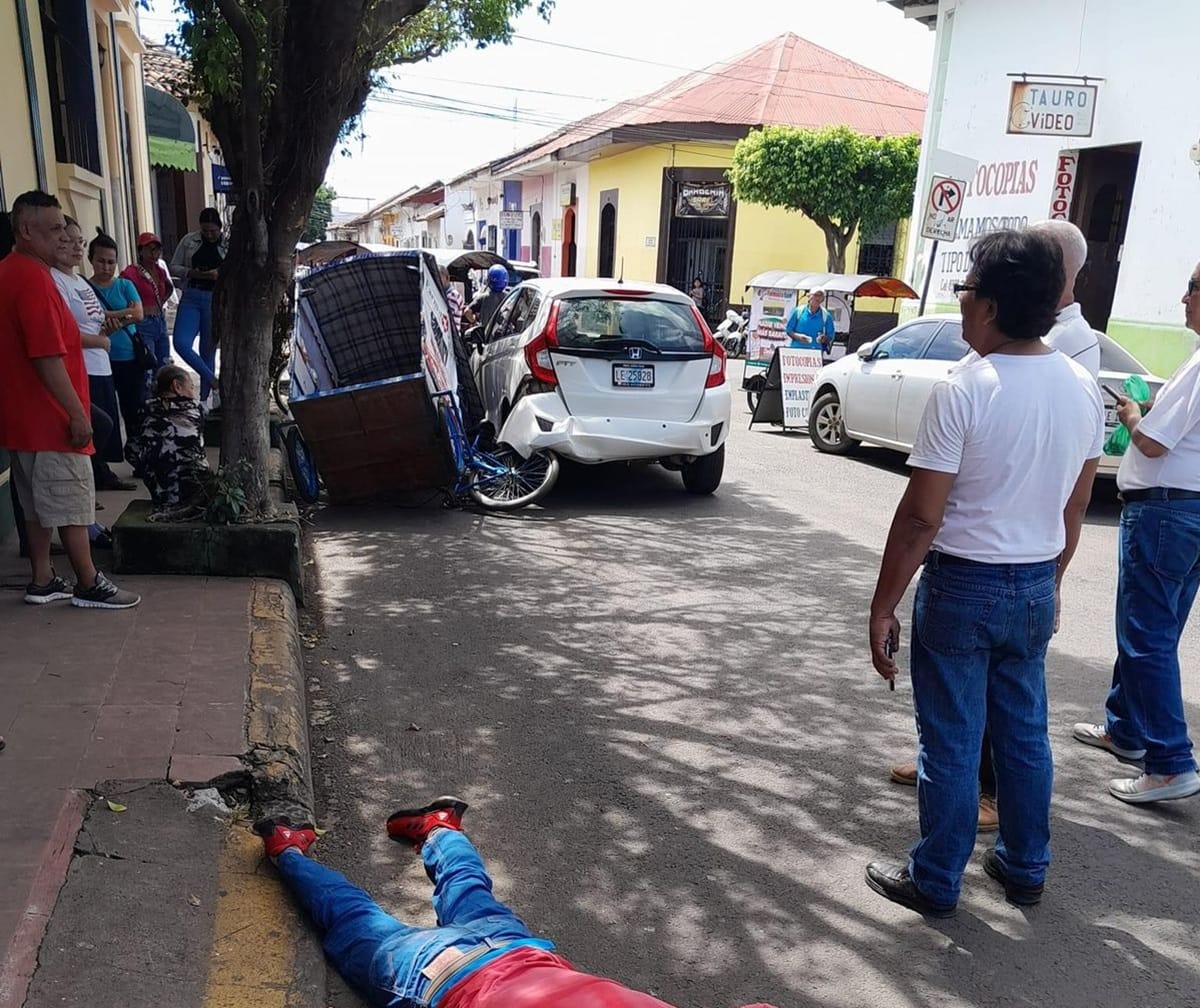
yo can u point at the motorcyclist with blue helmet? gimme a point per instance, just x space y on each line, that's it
483 306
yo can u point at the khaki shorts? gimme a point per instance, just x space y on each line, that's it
55 489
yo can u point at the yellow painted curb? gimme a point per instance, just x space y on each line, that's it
262 954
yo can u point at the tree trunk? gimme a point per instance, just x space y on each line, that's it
835 248
244 317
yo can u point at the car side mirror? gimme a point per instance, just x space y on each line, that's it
865 351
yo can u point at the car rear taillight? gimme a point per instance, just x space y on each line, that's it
716 368
537 350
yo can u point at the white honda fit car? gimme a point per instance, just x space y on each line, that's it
606 371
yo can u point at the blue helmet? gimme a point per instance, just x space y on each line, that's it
497 278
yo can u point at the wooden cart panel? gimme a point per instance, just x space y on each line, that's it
380 440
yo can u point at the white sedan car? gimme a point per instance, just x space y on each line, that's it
606 371
879 394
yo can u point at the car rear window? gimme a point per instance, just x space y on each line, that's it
596 321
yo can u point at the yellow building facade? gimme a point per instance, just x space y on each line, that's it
72 122
762 238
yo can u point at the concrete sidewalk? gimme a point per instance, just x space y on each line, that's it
154 693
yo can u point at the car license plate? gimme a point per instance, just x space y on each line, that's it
633 375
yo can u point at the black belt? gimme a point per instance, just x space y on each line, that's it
204 285
1158 494
949 560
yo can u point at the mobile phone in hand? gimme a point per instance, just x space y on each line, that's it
889 649
1116 396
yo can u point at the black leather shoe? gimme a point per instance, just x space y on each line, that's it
1015 892
891 879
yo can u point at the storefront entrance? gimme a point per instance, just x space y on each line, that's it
1100 209
696 233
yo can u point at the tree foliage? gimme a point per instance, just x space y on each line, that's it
320 216
842 180
280 81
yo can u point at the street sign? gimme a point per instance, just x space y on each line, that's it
511 220
943 207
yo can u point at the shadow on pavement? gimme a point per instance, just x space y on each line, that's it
663 714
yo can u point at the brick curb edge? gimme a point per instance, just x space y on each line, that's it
277 750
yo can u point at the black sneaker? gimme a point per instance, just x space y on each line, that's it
54 590
104 595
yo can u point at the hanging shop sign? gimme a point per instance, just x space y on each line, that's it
698 199
1052 109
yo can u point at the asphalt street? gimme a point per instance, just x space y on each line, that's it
662 711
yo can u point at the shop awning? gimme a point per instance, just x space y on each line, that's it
170 132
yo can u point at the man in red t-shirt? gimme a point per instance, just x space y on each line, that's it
44 410
481 955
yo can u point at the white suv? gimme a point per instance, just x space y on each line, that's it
606 371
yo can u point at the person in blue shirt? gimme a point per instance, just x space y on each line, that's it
122 310
811 327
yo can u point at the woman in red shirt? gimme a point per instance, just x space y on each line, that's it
154 285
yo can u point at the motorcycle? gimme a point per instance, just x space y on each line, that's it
731 333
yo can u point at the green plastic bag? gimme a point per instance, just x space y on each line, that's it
1118 440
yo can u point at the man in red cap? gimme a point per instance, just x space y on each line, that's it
480 955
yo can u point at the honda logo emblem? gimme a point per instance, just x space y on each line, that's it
635 353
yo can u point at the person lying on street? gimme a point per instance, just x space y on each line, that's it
480 955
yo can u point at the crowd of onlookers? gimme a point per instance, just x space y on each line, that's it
87 381
1001 476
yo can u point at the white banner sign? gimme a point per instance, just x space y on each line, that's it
437 350
797 376
511 220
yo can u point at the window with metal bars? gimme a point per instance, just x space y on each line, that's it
69 73
877 251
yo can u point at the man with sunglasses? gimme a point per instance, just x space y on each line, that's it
1002 472
1159 573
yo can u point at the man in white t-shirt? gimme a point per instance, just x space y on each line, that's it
1159 480
1002 472
1071 333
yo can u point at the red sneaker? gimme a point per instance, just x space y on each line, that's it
279 834
414 825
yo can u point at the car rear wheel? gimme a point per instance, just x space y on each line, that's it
703 475
826 428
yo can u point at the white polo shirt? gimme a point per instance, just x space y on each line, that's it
1174 422
1071 335
1015 431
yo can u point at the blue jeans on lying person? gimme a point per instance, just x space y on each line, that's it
1156 586
383 957
979 639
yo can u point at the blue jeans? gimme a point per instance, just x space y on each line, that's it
153 330
979 639
1156 585
194 319
382 957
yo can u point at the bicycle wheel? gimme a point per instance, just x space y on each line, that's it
510 481
305 483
